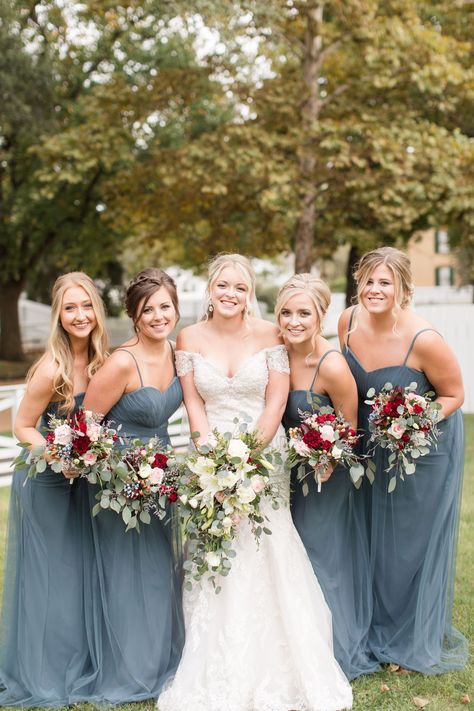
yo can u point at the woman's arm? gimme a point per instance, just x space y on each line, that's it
441 367
276 396
192 400
341 387
39 391
109 383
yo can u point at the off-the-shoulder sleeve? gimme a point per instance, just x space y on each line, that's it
277 359
184 362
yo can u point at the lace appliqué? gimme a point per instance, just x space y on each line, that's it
184 362
277 359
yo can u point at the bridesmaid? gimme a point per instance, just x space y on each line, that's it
135 612
336 544
43 643
413 531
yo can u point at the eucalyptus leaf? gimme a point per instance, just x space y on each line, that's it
392 484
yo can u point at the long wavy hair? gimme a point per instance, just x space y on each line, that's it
309 285
242 264
59 347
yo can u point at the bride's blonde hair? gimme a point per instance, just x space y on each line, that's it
242 264
59 348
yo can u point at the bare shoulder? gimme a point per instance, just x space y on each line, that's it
266 333
45 373
120 361
335 365
190 337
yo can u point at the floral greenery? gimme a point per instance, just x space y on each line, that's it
323 439
80 441
443 691
139 482
223 483
403 423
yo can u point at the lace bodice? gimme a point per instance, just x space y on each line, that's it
242 394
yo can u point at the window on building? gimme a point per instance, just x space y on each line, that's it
441 242
444 276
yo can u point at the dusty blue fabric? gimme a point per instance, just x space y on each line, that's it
44 649
133 604
413 538
337 546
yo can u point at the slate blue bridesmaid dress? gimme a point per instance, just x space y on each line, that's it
413 539
133 606
44 649
337 547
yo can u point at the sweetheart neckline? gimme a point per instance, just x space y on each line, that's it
244 362
151 387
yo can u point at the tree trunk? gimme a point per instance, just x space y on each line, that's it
10 336
305 226
351 289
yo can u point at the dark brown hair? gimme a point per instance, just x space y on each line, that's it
143 286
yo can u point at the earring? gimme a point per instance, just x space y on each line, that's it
210 307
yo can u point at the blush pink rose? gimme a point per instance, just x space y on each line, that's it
396 429
156 476
89 458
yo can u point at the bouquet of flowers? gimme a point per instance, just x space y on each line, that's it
222 484
405 424
139 483
323 439
80 441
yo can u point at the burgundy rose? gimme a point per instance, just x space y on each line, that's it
312 439
81 444
160 461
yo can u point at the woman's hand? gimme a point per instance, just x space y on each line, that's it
327 473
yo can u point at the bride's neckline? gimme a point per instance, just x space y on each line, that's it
218 369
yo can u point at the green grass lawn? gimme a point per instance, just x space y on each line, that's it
443 693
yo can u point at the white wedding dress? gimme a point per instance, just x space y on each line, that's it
264 643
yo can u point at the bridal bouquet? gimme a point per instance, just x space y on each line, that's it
405 424
139 482
80 441
222 484
323 439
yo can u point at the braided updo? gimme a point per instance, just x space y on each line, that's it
143 286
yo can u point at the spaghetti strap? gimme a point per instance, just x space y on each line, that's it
138 369
414 339
332 350
173 360
349 326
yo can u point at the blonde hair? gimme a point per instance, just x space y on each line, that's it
242 264
309 285
59 347
398 263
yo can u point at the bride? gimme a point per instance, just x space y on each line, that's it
264 643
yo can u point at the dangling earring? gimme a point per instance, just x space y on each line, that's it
210 307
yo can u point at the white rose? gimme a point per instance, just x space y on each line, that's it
227 477
212 559
327 433
194 503
258 483
145 471
238 449
246 494
63 435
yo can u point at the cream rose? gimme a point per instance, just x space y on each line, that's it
238 449
212 559
327 433
156 475
396 429
246 494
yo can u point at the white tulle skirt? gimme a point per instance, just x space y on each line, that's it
264 643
